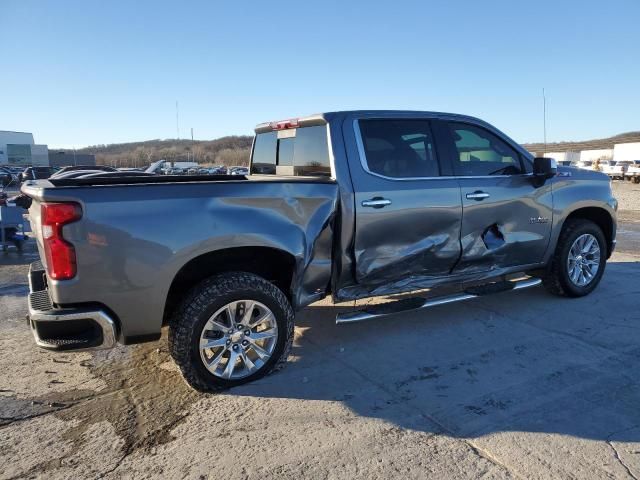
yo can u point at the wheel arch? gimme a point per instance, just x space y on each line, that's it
273 264
601 217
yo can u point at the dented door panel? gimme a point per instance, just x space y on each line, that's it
410 234
511 226
416 235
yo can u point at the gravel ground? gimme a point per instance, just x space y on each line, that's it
628 196
519 384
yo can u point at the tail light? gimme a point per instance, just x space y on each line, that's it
60 254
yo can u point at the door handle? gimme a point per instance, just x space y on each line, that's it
478 195
376 202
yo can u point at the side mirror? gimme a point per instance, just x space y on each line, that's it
544 168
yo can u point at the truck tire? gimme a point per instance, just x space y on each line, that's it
579 261
231 329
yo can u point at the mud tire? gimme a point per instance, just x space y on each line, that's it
203 300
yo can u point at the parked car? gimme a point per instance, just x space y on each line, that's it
218 170
585 164
239 171
400 201
7 177
35 173
633 171
615 169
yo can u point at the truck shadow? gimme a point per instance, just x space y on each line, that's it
518 361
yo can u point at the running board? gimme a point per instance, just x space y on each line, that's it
418 303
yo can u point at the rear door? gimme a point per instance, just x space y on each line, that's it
506 219
408 207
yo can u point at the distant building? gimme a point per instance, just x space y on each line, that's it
67 159
598 154
563 156
19 150
626 151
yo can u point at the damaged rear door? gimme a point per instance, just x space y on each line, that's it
408 207
506 219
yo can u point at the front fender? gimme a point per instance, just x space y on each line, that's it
575 193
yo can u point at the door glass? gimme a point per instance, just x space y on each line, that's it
399 148
481 153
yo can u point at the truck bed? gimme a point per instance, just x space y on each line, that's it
136 234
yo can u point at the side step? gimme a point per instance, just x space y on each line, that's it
418 303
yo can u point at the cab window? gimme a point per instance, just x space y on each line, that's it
399 148
481 153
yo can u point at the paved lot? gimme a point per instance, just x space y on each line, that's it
518 384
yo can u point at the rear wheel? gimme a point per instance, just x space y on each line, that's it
579 261
233 328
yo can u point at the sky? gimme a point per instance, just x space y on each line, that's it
88 72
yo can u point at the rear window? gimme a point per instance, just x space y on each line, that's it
301 151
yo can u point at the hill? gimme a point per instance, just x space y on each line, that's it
232 150
584 145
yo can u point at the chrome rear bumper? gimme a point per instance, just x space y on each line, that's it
66 329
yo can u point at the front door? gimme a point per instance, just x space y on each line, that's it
407 213
506 219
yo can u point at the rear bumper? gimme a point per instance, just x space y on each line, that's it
65 329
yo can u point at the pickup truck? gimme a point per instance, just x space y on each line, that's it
633 171
615 169
350 204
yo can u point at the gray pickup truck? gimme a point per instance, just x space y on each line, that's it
349 204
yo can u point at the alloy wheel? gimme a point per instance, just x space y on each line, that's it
238 339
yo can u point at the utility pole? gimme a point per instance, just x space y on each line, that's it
177 121
544 121
192 134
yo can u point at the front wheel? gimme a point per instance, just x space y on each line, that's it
232 329
578 263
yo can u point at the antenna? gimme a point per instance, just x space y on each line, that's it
544 121
177 121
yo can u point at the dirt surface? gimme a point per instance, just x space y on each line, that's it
519 384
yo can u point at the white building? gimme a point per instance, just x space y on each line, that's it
597 154
564 156
626 151
18 149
